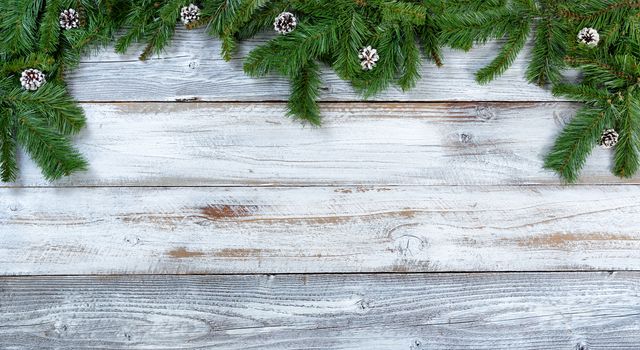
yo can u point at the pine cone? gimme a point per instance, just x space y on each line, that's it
32 79
368 58
608 139
69 19
589 36
285 23
189 14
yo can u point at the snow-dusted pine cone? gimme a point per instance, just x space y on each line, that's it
285 23
368 58
32 79
190 14
69 19
608 139
589 36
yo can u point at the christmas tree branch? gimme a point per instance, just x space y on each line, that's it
626 154
8 165
575 143
370 43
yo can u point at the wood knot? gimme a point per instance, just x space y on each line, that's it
582 346
194 64
465 138
363 305
416 344
132 240
485 113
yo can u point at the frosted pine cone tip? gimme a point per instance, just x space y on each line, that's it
608 139
69 19
189 14
368 58
32 79
589 37
285 23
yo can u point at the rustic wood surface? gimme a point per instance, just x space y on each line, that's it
542 311
318 229
177 236
240 144
192 69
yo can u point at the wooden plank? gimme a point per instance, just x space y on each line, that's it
318 229
192 68
170 144
406 312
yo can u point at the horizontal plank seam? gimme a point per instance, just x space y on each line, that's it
294 186
506 272
426 102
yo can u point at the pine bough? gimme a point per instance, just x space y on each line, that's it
370 43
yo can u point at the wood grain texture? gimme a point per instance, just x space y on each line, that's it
311 230
387 312
211 144
192 69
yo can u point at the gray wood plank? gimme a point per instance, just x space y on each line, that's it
192 68
539 311
318 229
221 144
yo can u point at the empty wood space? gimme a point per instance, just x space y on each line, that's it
398 311
414 221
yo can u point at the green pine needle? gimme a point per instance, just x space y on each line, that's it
304 92
8 165
331 34
573 146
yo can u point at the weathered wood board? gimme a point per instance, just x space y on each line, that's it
318 229
539 311
211 144
192 69
171 238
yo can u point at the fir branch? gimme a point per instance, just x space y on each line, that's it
162 29
288 54
626 153
428 35
50 150
351 33
612 6
305 86
50 27
18 25
405 13
8 164
584 93
604 73
243 15
410 68
507 54
52 104
576 141
549 48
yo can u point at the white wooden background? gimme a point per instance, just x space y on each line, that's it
413 221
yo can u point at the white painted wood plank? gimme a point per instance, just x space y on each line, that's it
192 68
318 229
537 311
170 144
